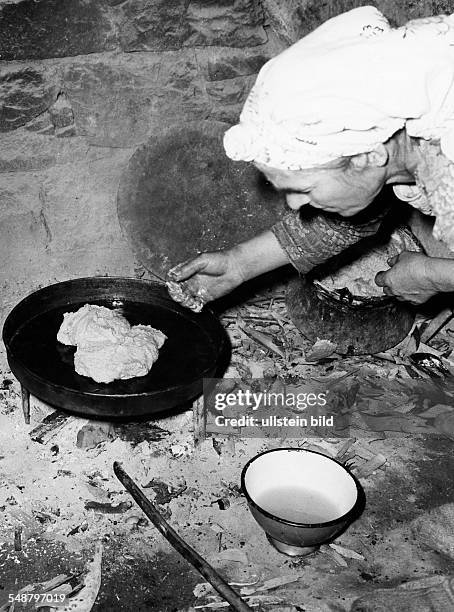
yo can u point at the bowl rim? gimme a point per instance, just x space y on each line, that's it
340 519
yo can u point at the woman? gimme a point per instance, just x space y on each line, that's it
351 107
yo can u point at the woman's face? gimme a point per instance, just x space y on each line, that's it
336 187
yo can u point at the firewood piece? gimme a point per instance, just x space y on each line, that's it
107 508
437 324
48 427
207 571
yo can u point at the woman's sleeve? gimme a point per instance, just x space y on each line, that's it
310 241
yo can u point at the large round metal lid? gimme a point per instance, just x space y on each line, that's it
180 194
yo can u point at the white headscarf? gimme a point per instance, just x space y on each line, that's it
347 87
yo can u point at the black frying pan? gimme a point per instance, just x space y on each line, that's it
196 348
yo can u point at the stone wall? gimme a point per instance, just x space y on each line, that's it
84 82
292 19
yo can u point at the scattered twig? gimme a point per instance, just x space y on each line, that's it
437 324
262 339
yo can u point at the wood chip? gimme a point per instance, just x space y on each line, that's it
48 427
345 447
322 349
437 324
215 605
273 583
256 368
262 339
371 466
347 552
104 508
435 411
337 558
233 554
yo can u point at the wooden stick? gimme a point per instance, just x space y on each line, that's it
436 325
204 568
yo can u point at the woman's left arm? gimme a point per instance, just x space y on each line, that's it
415 277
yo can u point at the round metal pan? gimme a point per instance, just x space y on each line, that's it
197 346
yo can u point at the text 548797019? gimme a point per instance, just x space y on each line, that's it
37 597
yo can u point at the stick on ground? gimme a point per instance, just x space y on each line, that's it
207 571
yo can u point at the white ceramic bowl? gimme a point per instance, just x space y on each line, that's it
300 498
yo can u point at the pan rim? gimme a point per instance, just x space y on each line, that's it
207 314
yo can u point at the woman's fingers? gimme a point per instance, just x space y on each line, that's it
392 260
380 278
186 269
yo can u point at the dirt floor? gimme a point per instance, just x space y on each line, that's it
59 495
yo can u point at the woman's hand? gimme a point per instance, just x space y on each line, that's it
411 278
212 275
208 276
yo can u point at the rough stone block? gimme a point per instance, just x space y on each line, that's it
66 132
153 26
231 91
223 22
110 100
117 102
226 63
24 150
180 91
170 24
24 95
61 113
54 28
290 20
228 114
41 124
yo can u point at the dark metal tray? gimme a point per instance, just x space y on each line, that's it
197 347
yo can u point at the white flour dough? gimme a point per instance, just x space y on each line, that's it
108 348
92 326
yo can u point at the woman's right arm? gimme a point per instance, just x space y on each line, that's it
212 275
303 241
